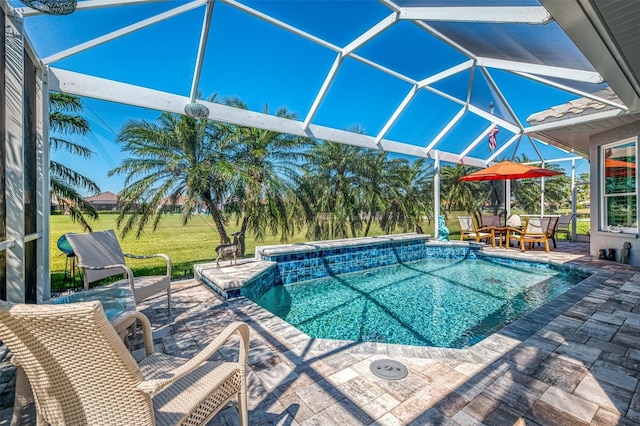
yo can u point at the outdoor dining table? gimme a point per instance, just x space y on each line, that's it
501 232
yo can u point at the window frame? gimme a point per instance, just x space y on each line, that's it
604 196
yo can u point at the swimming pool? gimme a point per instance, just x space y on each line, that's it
449 303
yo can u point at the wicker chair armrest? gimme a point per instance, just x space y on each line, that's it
125 269
150 256
127 317
154 385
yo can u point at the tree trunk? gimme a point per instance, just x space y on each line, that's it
217 219
243 230
369 221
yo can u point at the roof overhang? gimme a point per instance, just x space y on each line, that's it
574 134
608 35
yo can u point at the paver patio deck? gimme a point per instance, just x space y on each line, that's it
574 361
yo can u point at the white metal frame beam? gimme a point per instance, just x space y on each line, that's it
572 90
446 73
475 143
123 31
14 168
114 91
545 70
580 21
43 186
324 89
417 14
502 98
495 119
488 14
347 50
202 46
446 129
396 114
503 147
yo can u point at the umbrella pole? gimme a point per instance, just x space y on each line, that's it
505 202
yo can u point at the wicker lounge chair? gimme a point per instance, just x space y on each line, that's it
533 232
74 366
469 230
100 256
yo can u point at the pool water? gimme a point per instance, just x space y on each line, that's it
431 302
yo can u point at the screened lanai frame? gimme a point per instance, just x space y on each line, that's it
446 21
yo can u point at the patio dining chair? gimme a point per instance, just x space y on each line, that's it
469 230
532 232
73 365
514 221
564 225
551 229
100 256
490 221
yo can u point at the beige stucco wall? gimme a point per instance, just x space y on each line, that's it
600 239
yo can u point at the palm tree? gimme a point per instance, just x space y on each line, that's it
233 170
266 169
177 156
412 193
330 184
528 192
462 195
65 182
378 176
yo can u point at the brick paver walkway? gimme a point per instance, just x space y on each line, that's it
575 361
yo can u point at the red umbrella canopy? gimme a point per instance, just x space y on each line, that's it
509 170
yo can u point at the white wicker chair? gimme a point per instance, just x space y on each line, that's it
74 365
100 256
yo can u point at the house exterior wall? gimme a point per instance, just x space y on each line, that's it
603 239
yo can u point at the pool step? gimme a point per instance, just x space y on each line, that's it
229 279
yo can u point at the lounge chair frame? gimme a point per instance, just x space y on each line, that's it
100 256
74 366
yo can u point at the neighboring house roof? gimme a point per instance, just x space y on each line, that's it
107 197
177 202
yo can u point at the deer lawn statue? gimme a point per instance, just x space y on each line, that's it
224 249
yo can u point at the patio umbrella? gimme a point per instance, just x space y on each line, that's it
508 170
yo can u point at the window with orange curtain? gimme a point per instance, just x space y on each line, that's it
619 212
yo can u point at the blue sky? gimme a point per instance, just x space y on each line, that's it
263 64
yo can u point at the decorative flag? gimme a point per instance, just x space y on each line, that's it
493 143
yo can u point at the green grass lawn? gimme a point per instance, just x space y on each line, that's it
186 245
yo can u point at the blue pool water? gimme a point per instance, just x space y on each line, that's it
431 302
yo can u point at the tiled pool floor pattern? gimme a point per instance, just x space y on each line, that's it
573 362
